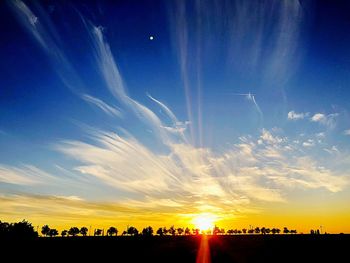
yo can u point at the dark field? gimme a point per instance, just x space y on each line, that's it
243 248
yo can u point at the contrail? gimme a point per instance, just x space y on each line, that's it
251 97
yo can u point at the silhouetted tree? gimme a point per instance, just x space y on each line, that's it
172 231
257 230
293 231
53 232
165 231
251 231
216 230
278 230
263 230
73 231
124 233
239 232
45 230
132 231
285 230
244 230
267 230
160 231
98 232
147 231
187 231
4 228
230 232
64 233
195 231
180 231
84 231
22 229
112 231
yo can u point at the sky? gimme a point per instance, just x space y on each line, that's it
162 112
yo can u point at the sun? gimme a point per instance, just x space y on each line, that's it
204 222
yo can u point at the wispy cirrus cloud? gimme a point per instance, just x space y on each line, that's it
47 37
24 175
114 82
244 29
44 32
245 172
30 21
177 127
110 110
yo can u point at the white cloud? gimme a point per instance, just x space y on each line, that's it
112 111
269 138
347 132
320 135
292 115
70 197
318 117
327 120
309 143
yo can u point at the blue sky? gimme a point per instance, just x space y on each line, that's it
249 98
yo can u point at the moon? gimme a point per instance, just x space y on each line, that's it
151 37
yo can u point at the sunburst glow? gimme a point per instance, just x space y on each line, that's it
204 221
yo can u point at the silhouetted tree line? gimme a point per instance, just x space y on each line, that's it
22 229
25 229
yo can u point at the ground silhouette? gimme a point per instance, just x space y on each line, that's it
142 246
